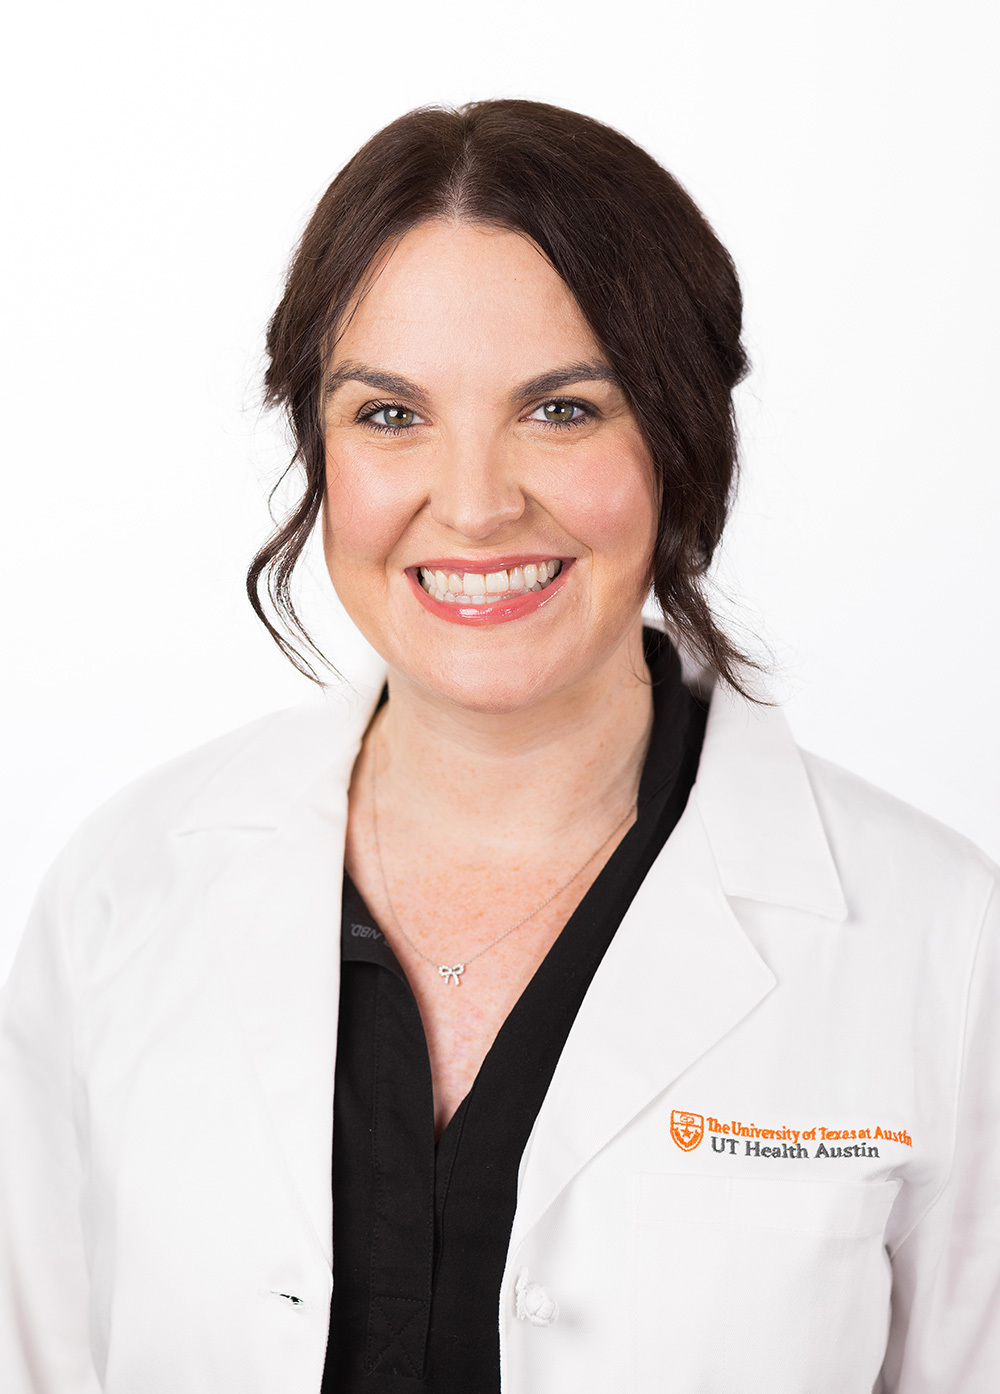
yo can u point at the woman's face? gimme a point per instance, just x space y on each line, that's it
477 443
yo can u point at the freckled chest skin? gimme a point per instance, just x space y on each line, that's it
508 752
456 907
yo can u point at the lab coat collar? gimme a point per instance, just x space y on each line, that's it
760 813
282 758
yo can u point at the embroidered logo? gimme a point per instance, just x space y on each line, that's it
686 1129
735 1137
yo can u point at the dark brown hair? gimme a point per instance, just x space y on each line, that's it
658 289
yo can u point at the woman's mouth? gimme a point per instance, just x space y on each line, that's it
489 597
485 588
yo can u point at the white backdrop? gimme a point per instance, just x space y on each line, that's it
163 161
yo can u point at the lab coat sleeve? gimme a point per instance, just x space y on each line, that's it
945 1333
44 1343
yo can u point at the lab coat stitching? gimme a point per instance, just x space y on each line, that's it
992 892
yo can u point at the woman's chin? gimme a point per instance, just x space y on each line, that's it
492 687
513 679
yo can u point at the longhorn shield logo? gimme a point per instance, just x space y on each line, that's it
686 1129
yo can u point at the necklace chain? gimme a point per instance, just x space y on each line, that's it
452 973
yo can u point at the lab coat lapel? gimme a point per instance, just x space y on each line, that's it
679 974
278 918
275 911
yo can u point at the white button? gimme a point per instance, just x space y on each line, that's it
534 1303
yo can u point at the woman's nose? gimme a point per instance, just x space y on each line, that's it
475 490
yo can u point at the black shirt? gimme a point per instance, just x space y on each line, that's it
421 1229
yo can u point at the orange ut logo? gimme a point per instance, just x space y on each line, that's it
686 1129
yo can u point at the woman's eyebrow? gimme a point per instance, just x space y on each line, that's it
564 377
534 387
371 377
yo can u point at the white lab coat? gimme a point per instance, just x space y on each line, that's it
806 954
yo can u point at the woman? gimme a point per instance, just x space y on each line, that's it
664 1056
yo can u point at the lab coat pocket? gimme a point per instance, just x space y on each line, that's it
759 1283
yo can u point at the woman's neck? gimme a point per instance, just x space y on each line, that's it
550 769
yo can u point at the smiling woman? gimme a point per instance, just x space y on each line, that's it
491 1034
516 504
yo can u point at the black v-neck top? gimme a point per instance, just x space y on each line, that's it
421 1229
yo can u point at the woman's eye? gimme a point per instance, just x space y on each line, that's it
559 412
391 417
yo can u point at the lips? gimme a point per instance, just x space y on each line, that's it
512 591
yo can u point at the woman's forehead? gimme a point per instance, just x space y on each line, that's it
470 294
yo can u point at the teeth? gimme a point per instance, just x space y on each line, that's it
476 588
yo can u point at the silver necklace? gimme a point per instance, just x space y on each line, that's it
451 973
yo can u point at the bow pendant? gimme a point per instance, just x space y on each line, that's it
452 975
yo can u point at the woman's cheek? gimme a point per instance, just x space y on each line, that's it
610 503
366 508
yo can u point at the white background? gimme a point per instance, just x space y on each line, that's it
163 161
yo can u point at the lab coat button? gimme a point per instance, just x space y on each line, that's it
534 1304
